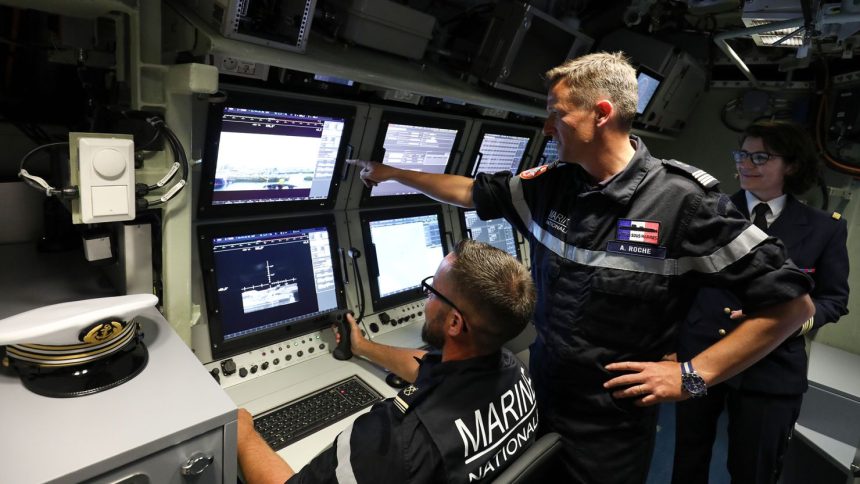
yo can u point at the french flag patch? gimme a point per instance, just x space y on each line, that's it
638 231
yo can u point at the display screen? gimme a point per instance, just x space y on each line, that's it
496 232
412 147
648 85
269 154
404 247
266 156
266 278
499 152
550 152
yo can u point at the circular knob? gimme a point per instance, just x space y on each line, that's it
253 368
300 353
289 357
322 346
243 372
265 365
109 163
276 361
374 327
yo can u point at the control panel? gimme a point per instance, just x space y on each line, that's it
392 319
267 359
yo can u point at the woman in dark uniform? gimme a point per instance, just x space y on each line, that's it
776 162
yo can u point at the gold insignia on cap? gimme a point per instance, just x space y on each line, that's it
100 332
836 215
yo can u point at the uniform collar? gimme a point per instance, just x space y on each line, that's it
776 205
621 187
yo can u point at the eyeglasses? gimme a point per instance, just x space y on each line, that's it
429 289
758 158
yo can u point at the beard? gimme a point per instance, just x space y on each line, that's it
431 333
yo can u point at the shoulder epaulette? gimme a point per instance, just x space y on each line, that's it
836 215
697 174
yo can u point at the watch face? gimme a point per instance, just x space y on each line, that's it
694 384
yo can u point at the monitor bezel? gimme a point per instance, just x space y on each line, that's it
466 231
392 117
522 132
660 81
282 104
206 233
387 302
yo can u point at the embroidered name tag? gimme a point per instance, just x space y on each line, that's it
638 231
636 249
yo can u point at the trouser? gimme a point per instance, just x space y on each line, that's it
760 426
606 441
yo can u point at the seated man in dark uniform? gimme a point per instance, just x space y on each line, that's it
469 411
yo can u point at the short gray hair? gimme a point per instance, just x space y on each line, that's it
497 286
600 74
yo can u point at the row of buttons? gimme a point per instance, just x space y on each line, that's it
228 366
384 318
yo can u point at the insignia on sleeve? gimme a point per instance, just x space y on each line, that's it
534 172
700 176
836 215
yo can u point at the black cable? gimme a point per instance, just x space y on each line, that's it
354 254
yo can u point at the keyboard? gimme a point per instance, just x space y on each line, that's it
295 420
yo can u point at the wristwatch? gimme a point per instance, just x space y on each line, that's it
691 381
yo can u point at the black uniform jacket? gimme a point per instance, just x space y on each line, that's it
816 243
461 421
618 264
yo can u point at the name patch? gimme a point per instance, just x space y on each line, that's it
630 248
638 231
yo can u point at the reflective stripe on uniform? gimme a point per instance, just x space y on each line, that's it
708 264
716 262
519 201
344 472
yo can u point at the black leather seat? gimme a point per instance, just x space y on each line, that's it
534 463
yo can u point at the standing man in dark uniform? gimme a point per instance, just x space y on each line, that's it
777 161
620 242
469 412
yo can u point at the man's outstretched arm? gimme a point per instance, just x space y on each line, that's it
451 189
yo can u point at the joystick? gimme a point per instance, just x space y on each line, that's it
343 351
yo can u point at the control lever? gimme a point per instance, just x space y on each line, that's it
343 351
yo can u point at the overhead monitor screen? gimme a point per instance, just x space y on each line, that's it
550 152
499 152
648 85
412 147
261 281
268 156
404 248
496 232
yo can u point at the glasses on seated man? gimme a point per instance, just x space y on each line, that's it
427 287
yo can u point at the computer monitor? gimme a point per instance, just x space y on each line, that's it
496 232
648 82
501 149
549 154
269 155
268 281
412 142
403 247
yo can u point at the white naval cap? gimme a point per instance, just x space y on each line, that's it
63 324
76 348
